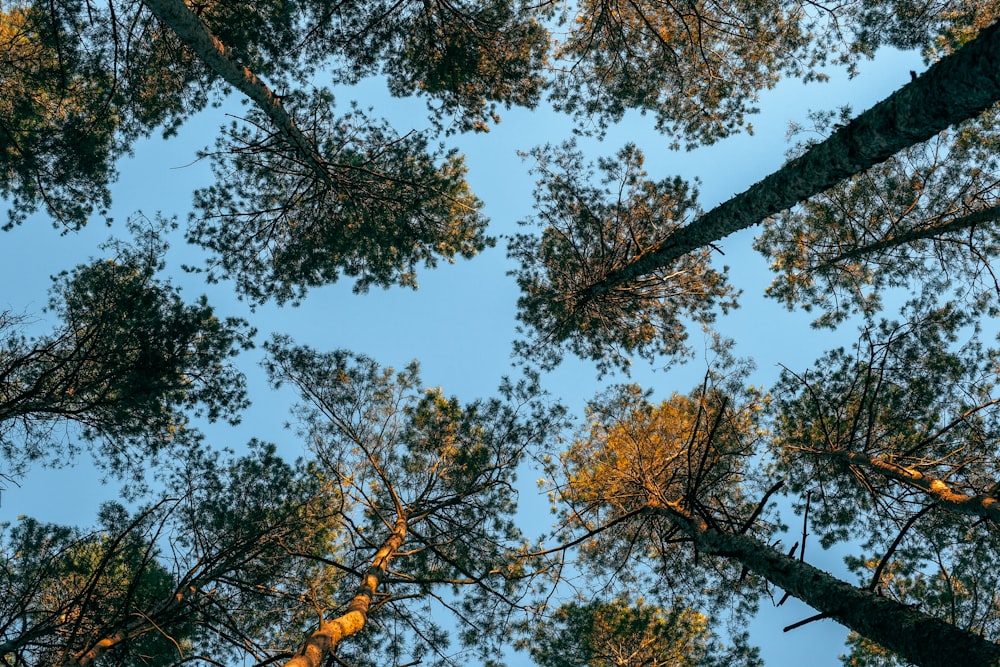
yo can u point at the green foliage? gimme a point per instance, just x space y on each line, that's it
464 57
866 653
942 567
915 396
697 66
246 537
82 82
68 590
467 56
938 29
241 555
589 231
129 363
947 574
623 634
383 205
250 535
78 84
903 395
264 35
898 225
394 450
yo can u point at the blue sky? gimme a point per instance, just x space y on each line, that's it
460 323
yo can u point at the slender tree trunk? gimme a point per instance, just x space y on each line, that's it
978 505
192 31
958 87
967 221
330 633
141 623
921 639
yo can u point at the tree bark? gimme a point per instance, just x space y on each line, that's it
921 639
192 31
981 505
958 87
330 633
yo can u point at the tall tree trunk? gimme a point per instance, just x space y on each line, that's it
958 87
330 633
921 639
195 34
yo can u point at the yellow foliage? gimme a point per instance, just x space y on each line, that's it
663 451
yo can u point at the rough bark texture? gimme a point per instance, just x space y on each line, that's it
192 31
921 639
330 633
978 505
956 88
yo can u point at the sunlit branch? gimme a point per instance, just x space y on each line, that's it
982 505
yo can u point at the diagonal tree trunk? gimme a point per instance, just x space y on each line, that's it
957 224
958 87
982 505
139 623
192 31
319 644
918 638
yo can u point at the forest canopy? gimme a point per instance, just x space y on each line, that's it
394 523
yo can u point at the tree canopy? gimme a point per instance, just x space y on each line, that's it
129 362
391 525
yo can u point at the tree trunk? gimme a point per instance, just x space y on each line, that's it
958 87
192 31
967 221
921 639
139 623
330 633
